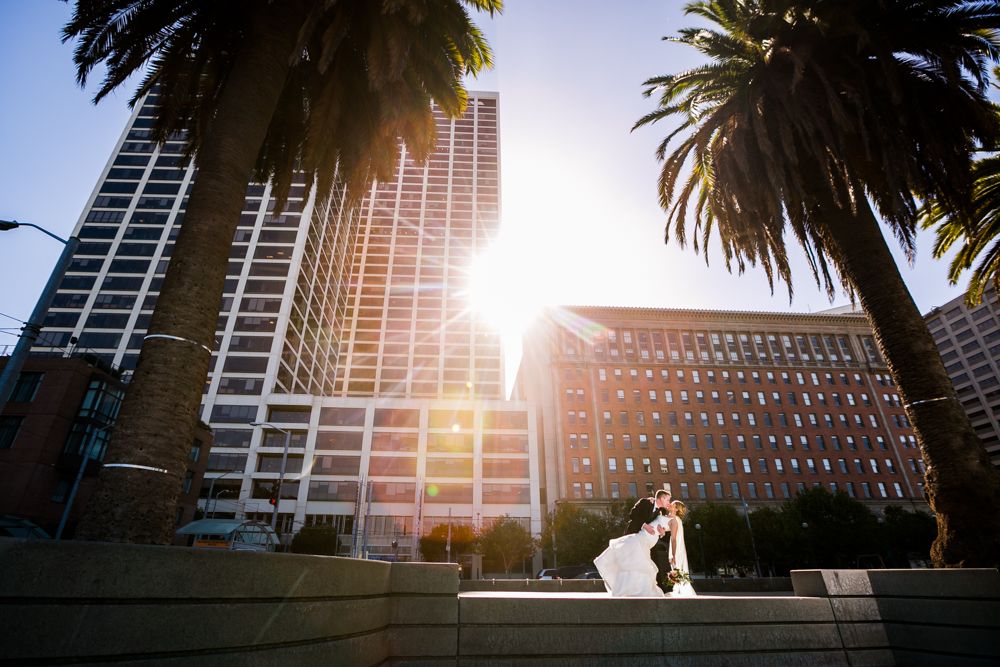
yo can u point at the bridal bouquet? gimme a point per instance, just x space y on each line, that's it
676 576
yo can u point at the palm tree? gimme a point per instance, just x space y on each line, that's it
978 238
976 235
810 116
260 89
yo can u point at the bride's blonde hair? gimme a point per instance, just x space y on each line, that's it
680 508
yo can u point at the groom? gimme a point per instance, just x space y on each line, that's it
644 511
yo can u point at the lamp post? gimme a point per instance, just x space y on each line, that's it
808 546
753 543
31 328
701 546
215 505
281 471
211 488
85 456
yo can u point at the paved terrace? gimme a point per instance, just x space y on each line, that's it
89 603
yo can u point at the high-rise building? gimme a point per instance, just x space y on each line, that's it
350 328
715 406
969 342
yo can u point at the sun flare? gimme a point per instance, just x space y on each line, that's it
501 290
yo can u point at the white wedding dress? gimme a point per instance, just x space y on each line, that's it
626 567
680 560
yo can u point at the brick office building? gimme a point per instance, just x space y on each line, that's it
715 405
59 411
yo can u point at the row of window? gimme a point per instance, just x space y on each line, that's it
736 419
753 491
722 347
708 440
726 377
582 465
731 397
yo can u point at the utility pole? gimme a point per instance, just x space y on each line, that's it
33 327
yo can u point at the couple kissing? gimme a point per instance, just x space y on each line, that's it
627 566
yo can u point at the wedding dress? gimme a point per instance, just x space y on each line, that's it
680 561
626 567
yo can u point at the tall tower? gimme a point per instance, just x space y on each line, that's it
410 330
348 327
969 342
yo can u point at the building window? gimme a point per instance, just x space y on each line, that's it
9 426
195 452
26 387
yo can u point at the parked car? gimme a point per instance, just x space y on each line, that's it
589 574
547 573
571 571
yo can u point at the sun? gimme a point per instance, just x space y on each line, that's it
503 292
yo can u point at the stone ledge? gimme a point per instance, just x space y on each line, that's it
97 570
122 629
615 612
973 583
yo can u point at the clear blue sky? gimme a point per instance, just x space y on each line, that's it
581 220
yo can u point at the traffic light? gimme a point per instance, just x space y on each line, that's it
272 499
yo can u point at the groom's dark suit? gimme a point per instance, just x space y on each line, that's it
644 511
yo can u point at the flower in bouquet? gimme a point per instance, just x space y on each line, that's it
677 576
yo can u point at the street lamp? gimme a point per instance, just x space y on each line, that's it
701 546
211 488
808 545
753 543
281 472
31 328
87 447
215 505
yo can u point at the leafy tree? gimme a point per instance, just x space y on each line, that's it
906 536
837 528
320 540
434 545
258 89
780 546
723 534
580 535
809 117
506 541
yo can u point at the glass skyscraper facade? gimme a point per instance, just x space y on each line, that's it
348 326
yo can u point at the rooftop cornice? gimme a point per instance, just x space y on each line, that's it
637 312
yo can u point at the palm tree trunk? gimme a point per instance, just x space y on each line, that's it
156 425
962 487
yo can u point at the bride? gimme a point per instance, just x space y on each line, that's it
678 552
626 567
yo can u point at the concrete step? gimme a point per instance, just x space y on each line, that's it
518 628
